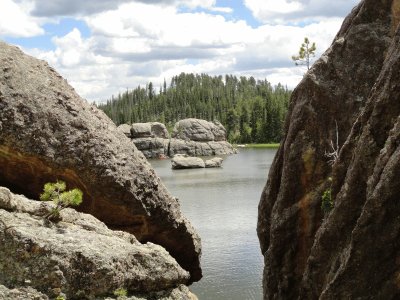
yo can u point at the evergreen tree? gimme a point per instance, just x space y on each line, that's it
251 110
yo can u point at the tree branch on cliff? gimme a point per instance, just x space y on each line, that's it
333 155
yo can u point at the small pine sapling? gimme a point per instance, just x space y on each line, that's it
121 293
327 203
61 199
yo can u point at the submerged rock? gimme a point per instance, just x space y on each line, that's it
352 251
78 256
48 132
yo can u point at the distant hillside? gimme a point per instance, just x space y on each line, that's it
251 111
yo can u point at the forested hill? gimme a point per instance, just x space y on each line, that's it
252 111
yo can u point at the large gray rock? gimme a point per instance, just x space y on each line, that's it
78 256
48 132
193 137
351 252
199 130
186 162
192 148
149 130
141 130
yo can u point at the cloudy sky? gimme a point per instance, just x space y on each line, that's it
105 46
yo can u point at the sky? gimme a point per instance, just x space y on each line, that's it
103 47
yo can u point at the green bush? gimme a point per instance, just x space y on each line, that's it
56 193
120 293
327 201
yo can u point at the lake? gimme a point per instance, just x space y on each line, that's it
222 205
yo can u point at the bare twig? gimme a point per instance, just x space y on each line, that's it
333 155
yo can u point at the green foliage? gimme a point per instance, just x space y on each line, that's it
327 201
251 111
120 292
56 193
60 298
306 53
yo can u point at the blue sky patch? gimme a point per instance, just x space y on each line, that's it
60 29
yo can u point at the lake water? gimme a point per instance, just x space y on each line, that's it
222 205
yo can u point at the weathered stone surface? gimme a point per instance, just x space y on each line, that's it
21 293
152 147
186 162
125 129
351 253
48 132
141 130
215 162
179 293
159 130
150 129
28 293
209 138
199 130
77 256
192 148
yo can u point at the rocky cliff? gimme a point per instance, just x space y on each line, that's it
78 257
351 251
48 132
193 137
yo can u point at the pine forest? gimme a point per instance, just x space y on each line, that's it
252 111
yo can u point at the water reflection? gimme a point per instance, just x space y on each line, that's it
222 205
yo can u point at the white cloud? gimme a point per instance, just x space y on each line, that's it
136 43
300 11
272 6
15 20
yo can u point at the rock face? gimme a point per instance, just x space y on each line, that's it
187 162
199 130
352 251
47 132
193 137
79 256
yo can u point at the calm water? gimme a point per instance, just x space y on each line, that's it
222 205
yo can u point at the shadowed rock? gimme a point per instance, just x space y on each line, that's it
48 132
351 253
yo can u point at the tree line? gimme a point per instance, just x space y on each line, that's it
252 111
